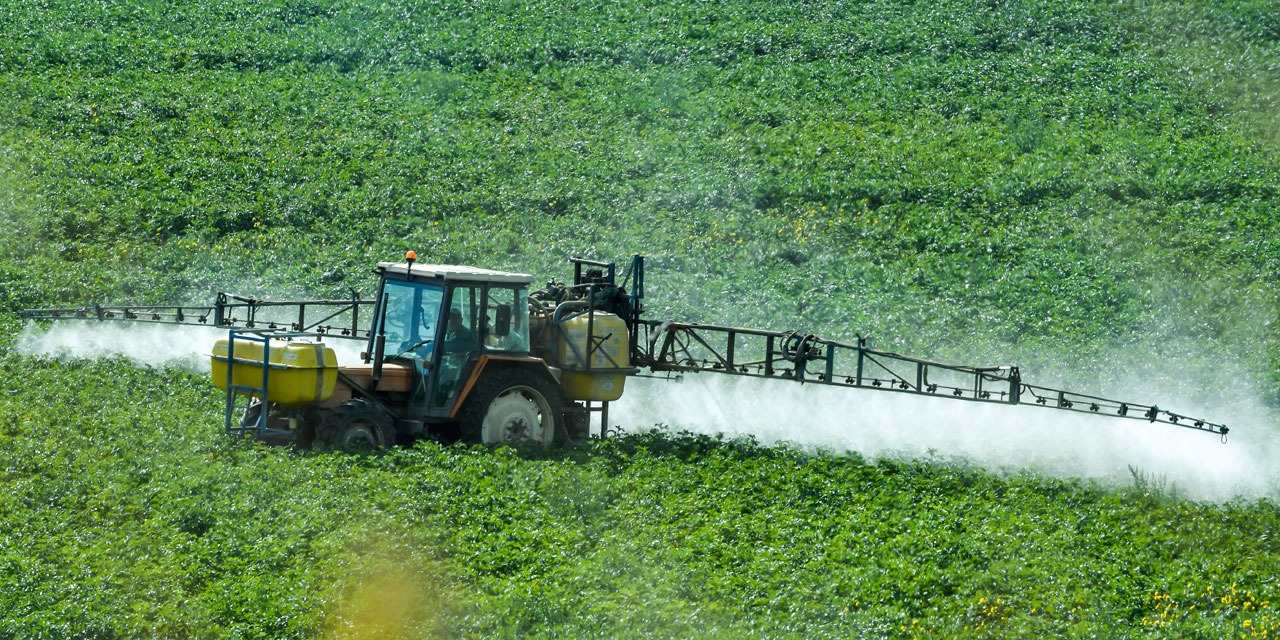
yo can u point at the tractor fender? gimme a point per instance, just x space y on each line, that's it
488 365
512 400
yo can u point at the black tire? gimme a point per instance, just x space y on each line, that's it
358 426
515 406
579 423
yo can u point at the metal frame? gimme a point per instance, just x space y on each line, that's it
234 391
229 311
687 347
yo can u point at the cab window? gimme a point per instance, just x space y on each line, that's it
507 320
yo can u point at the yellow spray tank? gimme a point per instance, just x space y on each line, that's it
298 373
591 349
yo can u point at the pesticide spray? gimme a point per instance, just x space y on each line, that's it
154 345
1001 439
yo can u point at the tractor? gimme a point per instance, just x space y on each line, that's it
457 352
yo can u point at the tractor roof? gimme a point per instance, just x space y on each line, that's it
454 272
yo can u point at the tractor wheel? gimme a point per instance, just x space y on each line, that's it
514 406
358 426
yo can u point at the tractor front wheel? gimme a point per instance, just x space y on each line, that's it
515 406
358 426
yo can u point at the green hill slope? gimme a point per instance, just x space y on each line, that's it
1082 187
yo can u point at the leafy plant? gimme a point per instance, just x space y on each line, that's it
1077 187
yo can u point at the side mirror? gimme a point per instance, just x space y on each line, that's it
502 323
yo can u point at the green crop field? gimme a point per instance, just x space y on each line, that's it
1088 189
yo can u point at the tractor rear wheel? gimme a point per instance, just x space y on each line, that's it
356 426
515 406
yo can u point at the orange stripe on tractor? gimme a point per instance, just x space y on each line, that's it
476 372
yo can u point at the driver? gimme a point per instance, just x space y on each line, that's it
458 338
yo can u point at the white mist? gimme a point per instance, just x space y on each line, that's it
155 345
1000 438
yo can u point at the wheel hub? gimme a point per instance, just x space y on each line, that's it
514 416
360 436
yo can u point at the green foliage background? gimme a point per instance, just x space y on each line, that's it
1075 186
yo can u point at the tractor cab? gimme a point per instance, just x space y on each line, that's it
438 321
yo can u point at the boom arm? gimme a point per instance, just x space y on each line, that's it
337 318
680 347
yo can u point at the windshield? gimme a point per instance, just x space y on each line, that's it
413 313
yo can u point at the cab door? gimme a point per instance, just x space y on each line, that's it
460 340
